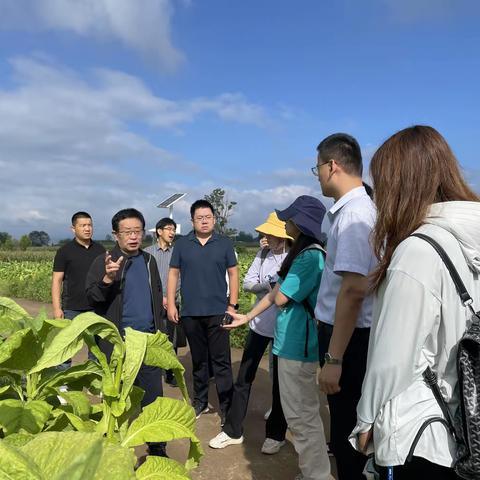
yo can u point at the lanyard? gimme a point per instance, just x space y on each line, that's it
390 473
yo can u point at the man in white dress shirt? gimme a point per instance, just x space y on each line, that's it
344 308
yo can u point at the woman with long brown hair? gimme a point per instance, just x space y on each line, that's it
418 316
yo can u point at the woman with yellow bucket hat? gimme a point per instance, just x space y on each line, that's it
260 279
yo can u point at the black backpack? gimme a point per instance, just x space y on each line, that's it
465 425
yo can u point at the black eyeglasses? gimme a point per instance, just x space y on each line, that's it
316 168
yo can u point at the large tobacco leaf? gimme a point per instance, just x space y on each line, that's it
79 402
75 377
16 416
163 420
160 468
15 464
12 317
70 340
160 353
64 455
135 347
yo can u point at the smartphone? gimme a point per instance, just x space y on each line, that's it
227 319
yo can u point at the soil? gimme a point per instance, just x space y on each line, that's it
236 462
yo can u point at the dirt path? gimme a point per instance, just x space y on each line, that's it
237 462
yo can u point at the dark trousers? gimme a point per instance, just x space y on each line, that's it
276 425
418 469
343 405
207 339
150 379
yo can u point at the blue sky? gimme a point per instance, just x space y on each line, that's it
106 104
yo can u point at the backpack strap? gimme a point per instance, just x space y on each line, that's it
428 375
306 305
459 285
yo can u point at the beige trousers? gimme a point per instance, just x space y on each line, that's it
299 395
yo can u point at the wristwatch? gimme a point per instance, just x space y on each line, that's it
233 305
329 360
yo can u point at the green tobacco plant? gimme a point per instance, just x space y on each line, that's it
31 349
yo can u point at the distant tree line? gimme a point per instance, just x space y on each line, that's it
33 239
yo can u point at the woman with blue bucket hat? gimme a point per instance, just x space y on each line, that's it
295 337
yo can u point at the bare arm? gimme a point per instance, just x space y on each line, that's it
261 306
172 312
57 280
280 298
234 284
349 302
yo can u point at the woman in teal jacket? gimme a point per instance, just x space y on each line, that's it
295 336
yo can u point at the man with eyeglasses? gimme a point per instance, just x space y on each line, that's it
202 259
344 306
165 230
124 286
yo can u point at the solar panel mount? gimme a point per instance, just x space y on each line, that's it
168 202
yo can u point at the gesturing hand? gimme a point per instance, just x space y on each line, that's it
111 268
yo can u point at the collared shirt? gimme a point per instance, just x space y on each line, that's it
352 218
163 258
202 272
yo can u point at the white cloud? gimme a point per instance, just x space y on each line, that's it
141 25
75 142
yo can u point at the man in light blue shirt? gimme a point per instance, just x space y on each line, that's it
344 307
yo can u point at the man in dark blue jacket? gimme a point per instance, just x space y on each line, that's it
124 287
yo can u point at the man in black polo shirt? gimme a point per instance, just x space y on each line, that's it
70 267
202 259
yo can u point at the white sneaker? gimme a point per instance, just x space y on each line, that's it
271 446
62 389
222 440
267 414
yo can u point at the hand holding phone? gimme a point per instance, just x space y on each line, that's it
227 319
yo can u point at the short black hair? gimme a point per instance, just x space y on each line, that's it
201 204
162 223
78 215
126 213
344 149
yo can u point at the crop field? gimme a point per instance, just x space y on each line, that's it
28 275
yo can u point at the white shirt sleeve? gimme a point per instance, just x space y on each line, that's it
353 252
252 281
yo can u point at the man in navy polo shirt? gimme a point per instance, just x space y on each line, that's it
202 259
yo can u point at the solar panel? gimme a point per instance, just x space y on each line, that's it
168 202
